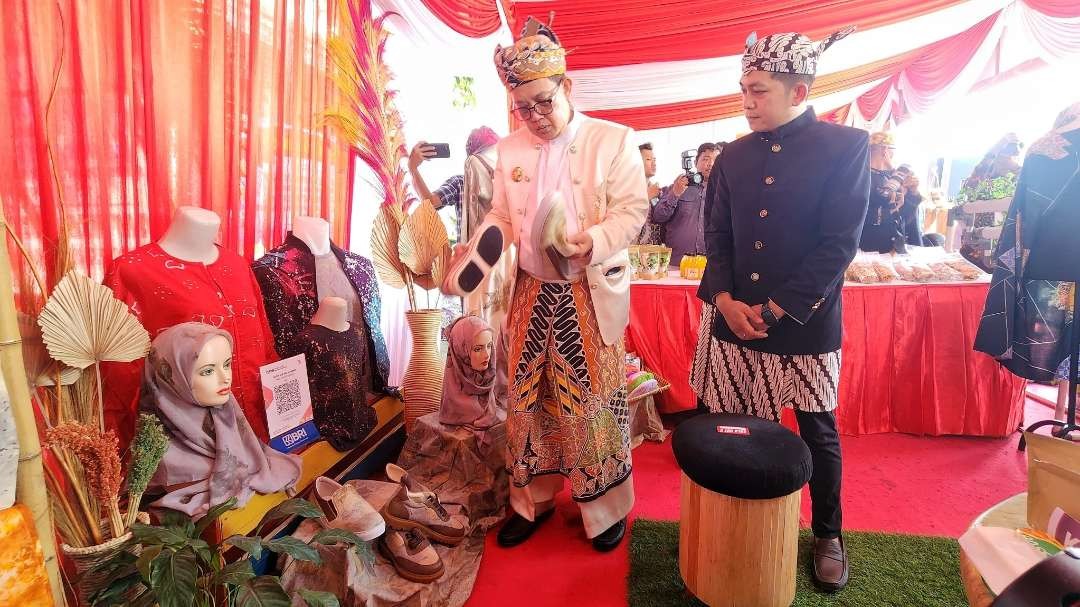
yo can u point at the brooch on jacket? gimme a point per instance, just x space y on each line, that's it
517 174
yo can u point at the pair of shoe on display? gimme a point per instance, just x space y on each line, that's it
346 509
517 529
416 518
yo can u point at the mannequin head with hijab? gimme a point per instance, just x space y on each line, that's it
211 379
482 349
213 454
469 380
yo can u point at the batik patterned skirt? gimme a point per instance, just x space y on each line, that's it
732 379
568 413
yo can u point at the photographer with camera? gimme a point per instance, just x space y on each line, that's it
883 231
682 207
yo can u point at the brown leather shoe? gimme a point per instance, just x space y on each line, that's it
830 566
414 506
412 555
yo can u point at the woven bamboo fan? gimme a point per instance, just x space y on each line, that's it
385 234
83 324
423 240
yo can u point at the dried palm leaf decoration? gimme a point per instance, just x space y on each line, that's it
84 324
385 234
423 239
403 249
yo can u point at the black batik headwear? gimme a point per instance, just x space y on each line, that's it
787 53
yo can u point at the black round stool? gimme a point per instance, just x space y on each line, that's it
739 527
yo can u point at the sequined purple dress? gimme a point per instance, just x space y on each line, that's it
339 373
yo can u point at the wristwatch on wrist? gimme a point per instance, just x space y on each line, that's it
767 315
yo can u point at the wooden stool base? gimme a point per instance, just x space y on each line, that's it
735 552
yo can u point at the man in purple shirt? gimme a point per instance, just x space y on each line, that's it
682 208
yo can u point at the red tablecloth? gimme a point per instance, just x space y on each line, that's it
908 364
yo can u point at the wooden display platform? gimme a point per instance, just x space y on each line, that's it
319 459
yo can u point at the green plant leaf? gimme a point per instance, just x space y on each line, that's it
336 536
234 573
172 577
263 591
115 593
212 515
250 545
179 522
318 599
145 559
295 548
292 507
365 554
148 535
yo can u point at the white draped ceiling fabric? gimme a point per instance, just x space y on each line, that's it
906 57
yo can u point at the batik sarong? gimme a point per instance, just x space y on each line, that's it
568 413
733 379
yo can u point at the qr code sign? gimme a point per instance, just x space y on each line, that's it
287 396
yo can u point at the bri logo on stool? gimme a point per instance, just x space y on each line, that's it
736 430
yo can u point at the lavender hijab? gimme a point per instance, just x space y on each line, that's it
468 395
213 452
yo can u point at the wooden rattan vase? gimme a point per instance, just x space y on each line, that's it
88 581
422 384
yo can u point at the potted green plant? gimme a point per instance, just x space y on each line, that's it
176 567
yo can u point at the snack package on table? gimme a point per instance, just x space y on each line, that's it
883 267
968 270
944 272
861 270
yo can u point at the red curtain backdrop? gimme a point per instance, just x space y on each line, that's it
623 32
160 103
472 18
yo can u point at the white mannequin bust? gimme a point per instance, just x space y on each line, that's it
192 234
333 313
314 232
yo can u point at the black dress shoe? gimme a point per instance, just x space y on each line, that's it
609 539
518 528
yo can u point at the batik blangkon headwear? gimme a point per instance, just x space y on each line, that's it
787 53
537 54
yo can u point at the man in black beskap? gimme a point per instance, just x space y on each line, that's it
786 208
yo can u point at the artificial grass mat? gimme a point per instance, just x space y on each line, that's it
886 569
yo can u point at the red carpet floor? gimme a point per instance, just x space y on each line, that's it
892 482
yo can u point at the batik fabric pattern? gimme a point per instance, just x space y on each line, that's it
787 53
1027 321
286 277
568 410
535 55
732 379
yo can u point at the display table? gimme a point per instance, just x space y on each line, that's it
908 362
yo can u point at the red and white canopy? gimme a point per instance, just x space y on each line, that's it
654 65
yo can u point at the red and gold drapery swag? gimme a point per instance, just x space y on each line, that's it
160 103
